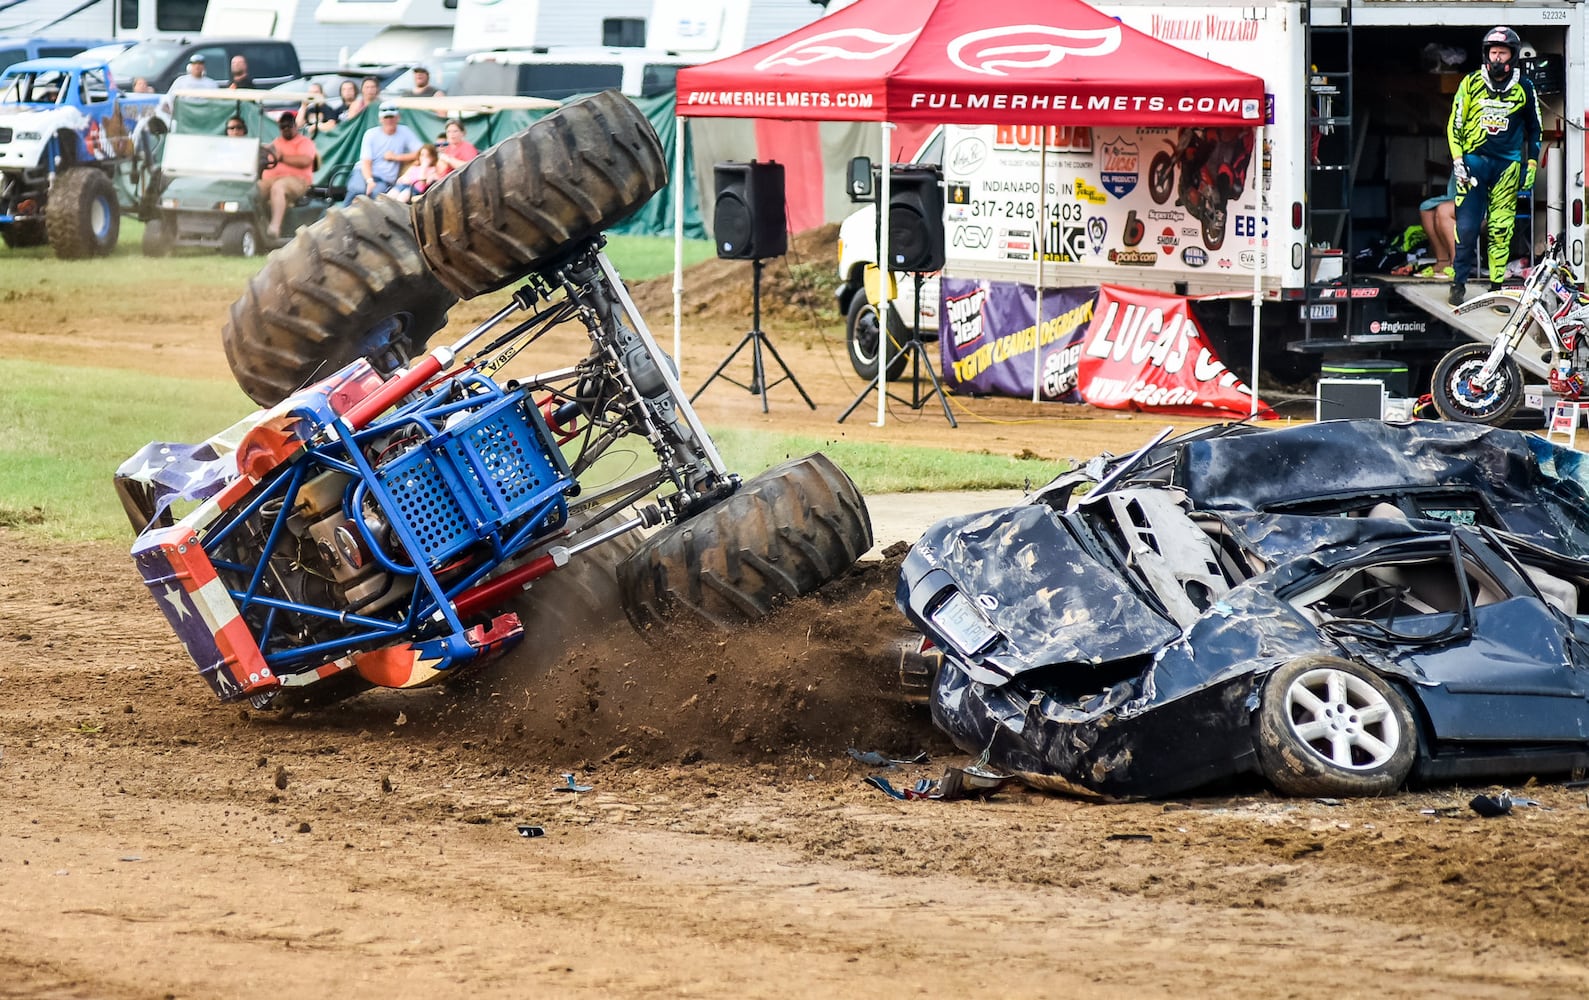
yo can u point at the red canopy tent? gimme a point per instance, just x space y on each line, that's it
1034 62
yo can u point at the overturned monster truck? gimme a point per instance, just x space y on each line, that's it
1337 607
382 519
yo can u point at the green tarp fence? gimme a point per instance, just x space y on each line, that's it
339 148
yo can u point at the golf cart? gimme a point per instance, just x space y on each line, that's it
210 181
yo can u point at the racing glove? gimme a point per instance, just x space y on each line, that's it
1459 170
1528 175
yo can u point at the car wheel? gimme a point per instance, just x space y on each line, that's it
510 210
1328 726
159 237
239 239
860 333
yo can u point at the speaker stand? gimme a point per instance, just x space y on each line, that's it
756 339
916 350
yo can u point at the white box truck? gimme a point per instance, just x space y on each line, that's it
1360 92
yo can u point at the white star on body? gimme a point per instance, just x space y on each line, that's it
173 595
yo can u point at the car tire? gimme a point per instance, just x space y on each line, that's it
352 285
20 235
159 237
1454 372
579 170
860 335
239 238
785 533
1328 726
82 215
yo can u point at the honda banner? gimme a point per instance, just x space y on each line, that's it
1144 351
991 331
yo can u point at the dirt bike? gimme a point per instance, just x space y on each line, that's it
382 525
1482 383
1213 170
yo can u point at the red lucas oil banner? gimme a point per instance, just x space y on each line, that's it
1144 351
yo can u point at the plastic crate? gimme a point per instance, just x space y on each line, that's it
486 470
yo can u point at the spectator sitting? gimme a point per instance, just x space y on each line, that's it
316 114
240 78
235 126
422 87
1439 216
416 180
455 149
369 93
348 94
293 172
141 86
384 152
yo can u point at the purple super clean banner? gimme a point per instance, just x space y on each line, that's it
989 334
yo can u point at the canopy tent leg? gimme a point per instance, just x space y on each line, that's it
679 180
885 272
1041 246
1263 264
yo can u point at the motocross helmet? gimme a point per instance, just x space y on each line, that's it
1498 72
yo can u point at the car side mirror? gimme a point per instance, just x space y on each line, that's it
860 179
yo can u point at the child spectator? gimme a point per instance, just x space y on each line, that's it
416 180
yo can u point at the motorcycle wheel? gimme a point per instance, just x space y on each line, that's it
579 170
1214 229
785 533
1161 177
1457 399
352 285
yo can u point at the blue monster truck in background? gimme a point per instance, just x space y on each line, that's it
66 140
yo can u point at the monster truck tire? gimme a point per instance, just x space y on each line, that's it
578 602
567 177
352 285
82 215
18 235
785 533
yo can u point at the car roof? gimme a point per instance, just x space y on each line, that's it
55 63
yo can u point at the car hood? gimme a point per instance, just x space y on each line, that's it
1051 600
39 117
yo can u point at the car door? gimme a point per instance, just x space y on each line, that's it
1510 677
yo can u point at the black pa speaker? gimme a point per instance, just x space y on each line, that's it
748 219
915 219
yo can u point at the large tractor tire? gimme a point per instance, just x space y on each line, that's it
82 216
352 285
19 235
785 533
567 177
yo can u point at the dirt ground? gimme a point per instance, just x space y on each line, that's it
154 843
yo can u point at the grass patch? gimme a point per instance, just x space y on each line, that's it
68 429
886 468
636 257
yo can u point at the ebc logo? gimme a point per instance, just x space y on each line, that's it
1194 257
994 51
849 44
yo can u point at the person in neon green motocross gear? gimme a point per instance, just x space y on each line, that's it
1493 133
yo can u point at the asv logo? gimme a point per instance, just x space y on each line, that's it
851 44
1247 227
993 51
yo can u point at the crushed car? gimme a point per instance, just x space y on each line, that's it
1337 607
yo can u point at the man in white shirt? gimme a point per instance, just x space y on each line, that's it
194 80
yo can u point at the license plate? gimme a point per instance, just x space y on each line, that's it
962 624
1319 310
